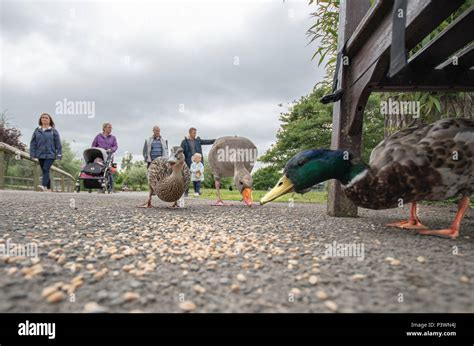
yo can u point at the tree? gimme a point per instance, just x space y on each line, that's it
265 177
324 31
121 178
10 135
69 162
126 161
137 174
308 125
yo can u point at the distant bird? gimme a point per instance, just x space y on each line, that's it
425 162
233 156
168 178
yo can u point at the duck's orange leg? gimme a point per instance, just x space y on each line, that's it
412 223
453 231
148 202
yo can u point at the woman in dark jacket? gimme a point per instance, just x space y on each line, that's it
45 146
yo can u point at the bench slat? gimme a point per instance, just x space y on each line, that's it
465 60
454 37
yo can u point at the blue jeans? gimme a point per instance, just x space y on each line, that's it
45 165
111 182
197 186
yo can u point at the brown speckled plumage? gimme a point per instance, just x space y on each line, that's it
167 183
427 162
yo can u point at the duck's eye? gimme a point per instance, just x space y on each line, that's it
241 183
302 163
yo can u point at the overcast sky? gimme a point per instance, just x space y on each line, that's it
220 66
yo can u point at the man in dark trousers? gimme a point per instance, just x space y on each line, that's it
191 145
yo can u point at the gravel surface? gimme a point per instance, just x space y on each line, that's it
99 253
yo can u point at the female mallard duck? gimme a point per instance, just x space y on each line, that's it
233 156
427 162
168 178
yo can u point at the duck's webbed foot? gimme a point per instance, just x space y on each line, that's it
407 224
217 184
444 233
146 205
219 202
412 223
453 231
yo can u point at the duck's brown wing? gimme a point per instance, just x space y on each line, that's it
186 175
431 162
158 170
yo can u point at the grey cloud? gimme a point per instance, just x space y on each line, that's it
219 97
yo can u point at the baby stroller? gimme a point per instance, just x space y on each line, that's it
97 171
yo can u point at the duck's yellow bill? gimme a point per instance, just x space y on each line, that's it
283 186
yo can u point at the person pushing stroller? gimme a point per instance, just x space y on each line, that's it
108 142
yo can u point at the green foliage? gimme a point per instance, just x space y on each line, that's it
435 105
308 125
20 168
324 31
69 162
234 195
137 174
372 127
9 134
120 178
265 178
208 182
126 163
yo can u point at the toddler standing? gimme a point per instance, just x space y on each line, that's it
197 173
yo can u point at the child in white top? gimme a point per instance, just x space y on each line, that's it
197 173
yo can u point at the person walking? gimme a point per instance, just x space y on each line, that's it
45 146
191 145
107 141
155 146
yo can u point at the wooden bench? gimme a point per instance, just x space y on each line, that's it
371 60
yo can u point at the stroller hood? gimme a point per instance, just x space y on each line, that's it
92 153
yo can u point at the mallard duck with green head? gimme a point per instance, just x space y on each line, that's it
421 163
